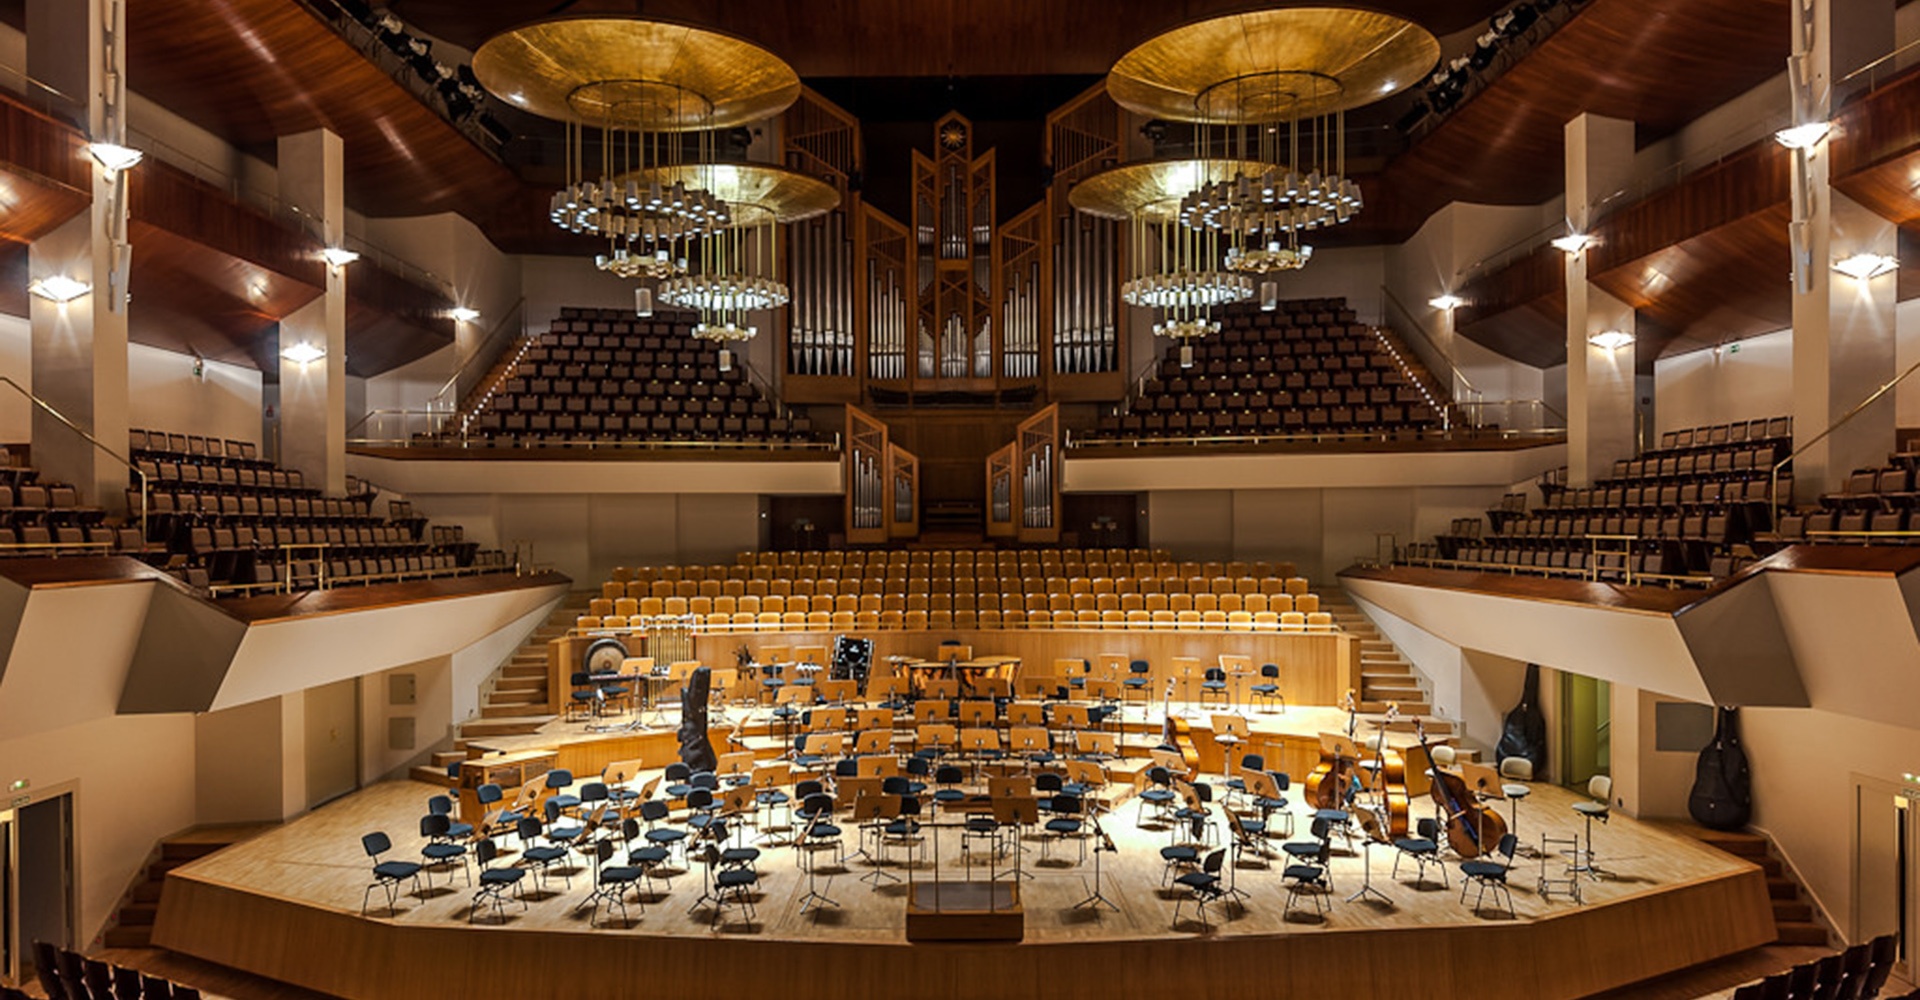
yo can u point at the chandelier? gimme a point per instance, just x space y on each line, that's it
1174 269
1266 93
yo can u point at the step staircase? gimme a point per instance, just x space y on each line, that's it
1385 675
514 701
1793 915
133 924
503 368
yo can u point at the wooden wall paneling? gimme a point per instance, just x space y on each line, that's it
1875 146
866 478
47 178
903 493
1038 467
1001 507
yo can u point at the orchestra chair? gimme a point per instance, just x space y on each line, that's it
558 781
1309 873
1249 835
903 830
441 850
1138 682
1314 851
1517 771
1203 886
583 700
540 857
1600 788
1423 848
1065 823
653 812
1213 685
647 858
1268 690
1182 855
387 875
816 827
610 884
495 880
443 805
1237 780
1158 794
1489 872
727 886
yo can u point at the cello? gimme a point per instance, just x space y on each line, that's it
1471 827
1177 733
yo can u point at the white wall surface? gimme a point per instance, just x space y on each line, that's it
1746 380
16 363
1353 273
164 394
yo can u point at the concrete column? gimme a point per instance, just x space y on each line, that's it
79 348
1600 385
1843 327
313 394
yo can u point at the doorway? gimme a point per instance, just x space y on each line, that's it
333 741
36 881
1586 729
1886 849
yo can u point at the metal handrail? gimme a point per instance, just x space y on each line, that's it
592 444
1446 361
451 391
1773 474
1078 442
109 452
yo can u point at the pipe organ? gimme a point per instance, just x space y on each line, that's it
952 300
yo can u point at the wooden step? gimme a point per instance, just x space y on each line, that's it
444 758
508 709
529 671
1799 933
517 726
148 892
521 683
133 936
1782 887
138 913
1792 911
431 775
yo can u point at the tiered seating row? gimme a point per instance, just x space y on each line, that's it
916 593
1876 505
1304 368
607 376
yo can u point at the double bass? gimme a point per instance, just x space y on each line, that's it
1472 829
1177 732
1336 779
1390 812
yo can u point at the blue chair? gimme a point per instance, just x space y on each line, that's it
1046 786
1268 690
539 858
903 830
700 809
919 772
442 805
592 794
817 829
610 690
1423 848
1307 874
495 881
1237 785
1203 886
440 850
559 830
387 875
1159 794
610 884
1138 681
558 781
949 778
1489 872
653 812
677 776
585 699
1213 685
1314 851
1065 823
489 796
646 859
728 886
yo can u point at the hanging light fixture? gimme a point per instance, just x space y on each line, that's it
1267 93
637 97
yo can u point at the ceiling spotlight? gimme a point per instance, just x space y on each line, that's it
339 257
59 288
303 353
1573 242
1611 340
1862 266
112 156
462 314
1803 136
1446 301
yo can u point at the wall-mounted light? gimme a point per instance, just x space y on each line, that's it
303 353
114 157
1862 266
59 288
1446 301
339 257
1610 340
462 314
1572 242
1803 136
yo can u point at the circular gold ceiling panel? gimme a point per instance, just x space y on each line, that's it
754 192
1152 189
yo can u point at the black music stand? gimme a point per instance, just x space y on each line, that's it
1366 875
879 809
1103 845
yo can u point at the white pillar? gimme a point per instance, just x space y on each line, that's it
1600 381
1843 328
313 394
79 361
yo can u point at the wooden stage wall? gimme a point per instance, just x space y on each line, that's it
1569 954
1316 668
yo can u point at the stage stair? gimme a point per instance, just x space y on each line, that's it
133 923
1385 675
1793 913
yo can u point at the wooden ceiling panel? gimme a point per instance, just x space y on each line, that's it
1533 332
190 298
1728 283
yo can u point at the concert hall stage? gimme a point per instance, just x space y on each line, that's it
286 905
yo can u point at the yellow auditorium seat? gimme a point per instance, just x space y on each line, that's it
1280 604
701 606
1293 621
626 606
749 604
600 606
719 621
1319 621
1215 621
662 589
1206 603
734 588
757 588
870 603
652 607
1307 603
989 619
1187 619
965 619
1113 619
793 619
1255 602
1266 621
866 620
780 587
1132 602
892 619
585 622
686 588
710 587
800 603
1239 621
1013 618
675 606
1155 602
1297 585
767 619
916 620
726 605
1231 603
1138 619
820 619
773 603
1040 619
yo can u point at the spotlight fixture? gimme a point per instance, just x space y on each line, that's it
1804 136
59 288
1446 301
1862 266
1573 242
303 353
462 314
339 257
113 156
1610 340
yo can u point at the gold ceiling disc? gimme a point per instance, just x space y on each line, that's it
636 74
1152 189
754 192
1273 65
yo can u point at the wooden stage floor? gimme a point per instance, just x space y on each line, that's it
286 904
